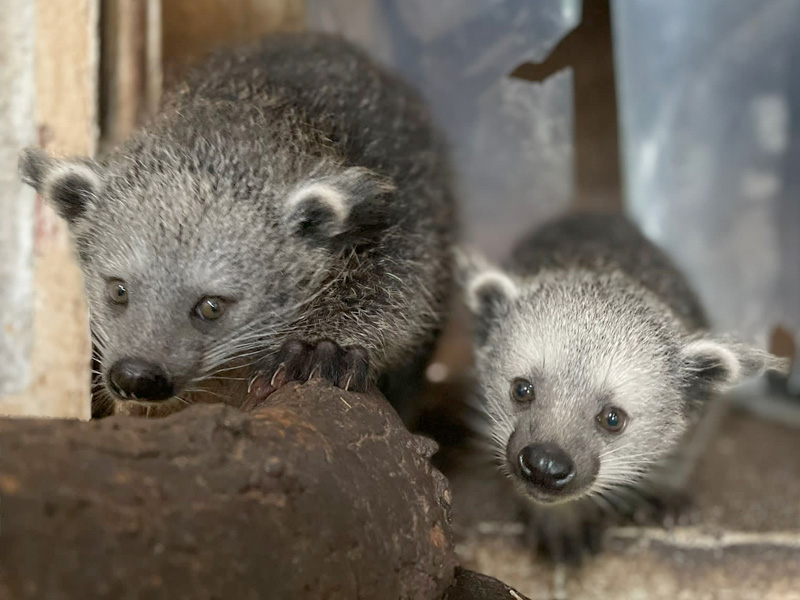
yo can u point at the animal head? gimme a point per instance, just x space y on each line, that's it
588 380
199 252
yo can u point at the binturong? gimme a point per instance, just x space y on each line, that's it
594 366
288 210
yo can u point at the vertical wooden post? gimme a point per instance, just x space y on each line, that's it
130 66
66 75
588 50
17 102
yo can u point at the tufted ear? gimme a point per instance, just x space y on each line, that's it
489 291
69 186
350 204
718 364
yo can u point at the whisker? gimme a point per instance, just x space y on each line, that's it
203 391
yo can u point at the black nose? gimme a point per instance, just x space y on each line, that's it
546 465
137 379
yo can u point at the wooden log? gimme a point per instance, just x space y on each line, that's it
319 494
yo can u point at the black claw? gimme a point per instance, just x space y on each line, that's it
325 362
354 375
279 376
297 360
293 356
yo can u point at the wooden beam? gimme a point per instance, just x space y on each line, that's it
66 76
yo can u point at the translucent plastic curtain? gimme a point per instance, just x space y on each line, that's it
512 139
709 97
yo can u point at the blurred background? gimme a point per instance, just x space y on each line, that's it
684 114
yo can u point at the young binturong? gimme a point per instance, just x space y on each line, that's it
594 366
290 206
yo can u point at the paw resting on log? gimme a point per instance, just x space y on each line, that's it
319 493
346 368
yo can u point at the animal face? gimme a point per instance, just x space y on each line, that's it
581 379
587 380
172 306
193 265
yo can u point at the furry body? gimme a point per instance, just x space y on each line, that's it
594 366
296 184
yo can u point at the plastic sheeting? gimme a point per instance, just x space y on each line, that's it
710 109
512 139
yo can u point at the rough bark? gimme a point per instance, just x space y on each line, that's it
319 494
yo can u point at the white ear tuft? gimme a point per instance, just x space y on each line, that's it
33 166
489 290
354 200
69 186
485 285
318 209
723 363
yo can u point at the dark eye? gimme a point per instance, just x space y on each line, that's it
209 309
612 419
522 390
117 292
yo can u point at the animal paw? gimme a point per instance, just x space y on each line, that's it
565 534
668 509
347 368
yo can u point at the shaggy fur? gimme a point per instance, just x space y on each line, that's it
592 314
294 179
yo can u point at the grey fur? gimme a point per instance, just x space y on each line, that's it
594 314
198 204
